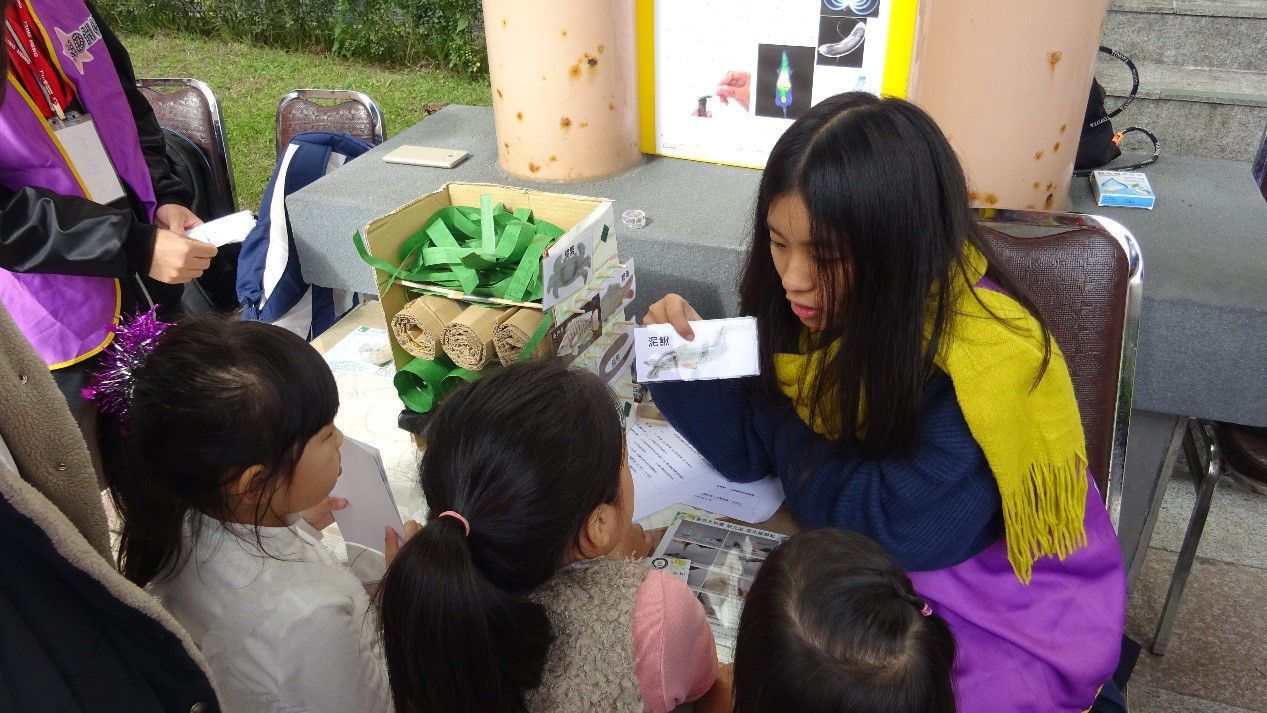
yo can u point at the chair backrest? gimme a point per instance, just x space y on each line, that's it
1084 274
190 107
1260 165
354 114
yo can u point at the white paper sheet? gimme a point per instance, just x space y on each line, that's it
364 350
225 231
370 504
368 407
667 471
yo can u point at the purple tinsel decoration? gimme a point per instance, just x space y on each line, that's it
111 386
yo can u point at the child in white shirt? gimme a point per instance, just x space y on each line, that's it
230 444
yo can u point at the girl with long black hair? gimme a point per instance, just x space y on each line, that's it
228 459
911 393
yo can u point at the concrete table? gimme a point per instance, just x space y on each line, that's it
1203 335
1203 324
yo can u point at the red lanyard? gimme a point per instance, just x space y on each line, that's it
30 60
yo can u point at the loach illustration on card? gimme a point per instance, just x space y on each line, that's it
722 349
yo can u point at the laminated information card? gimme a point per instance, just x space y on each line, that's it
722 349
718 562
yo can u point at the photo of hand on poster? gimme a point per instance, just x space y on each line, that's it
733 93
737 87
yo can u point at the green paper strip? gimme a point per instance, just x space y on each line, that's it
528 272
534 341
488 236
486 251
423 383
462 221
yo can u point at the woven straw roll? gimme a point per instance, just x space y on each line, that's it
419 325
468 340
514 333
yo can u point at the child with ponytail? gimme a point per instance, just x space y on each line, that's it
833 625
229 446
518 594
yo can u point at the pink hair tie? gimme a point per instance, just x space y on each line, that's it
459 518
927 610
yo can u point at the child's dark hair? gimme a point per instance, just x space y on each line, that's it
832 624
525 454
215 397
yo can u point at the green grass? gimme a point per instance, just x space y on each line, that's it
249 82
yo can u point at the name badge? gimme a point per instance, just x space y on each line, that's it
79 138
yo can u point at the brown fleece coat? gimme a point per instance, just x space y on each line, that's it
55 485
590 664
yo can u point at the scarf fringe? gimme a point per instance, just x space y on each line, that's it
1044 515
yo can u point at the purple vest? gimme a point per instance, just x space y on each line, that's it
68 318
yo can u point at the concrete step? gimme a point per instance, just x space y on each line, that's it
1198 111
1230 34
1212 8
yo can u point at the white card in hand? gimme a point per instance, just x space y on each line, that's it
225 231
370 504
722 349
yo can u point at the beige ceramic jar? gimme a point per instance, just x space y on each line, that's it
1008 83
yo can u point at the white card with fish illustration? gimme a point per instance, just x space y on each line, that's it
722 349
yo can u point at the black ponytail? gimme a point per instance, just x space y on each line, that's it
215 397
525 455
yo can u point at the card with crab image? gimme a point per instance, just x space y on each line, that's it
721 349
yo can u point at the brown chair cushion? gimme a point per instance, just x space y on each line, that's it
299 115
1078 280
186 110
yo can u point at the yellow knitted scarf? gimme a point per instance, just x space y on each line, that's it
1031 433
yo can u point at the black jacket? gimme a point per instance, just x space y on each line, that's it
42 231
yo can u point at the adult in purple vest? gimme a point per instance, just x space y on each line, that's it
71 266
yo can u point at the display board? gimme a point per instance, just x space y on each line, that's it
721 80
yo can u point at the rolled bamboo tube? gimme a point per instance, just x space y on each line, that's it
468 340
514 333
419 325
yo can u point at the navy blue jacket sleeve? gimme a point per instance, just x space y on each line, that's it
931 509
715 418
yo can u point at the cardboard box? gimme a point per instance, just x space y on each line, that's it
586 246
1122 188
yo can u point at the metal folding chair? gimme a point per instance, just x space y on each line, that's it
1085 276
190 107
354 113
